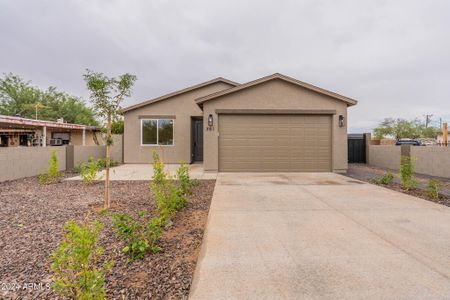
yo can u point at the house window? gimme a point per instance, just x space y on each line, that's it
157 132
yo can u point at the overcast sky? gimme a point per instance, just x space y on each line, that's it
392 56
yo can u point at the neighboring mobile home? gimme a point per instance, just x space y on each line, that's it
275 123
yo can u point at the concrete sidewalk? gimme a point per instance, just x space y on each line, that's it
321 236
145 172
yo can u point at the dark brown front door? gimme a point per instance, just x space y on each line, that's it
197 140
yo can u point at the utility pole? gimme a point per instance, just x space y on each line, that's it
427 120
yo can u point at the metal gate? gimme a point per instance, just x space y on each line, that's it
356 148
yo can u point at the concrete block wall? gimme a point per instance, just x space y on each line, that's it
19 162
117 148
82 153
434 161
384 156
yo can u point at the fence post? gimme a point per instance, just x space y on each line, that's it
69 157
405 150
367 139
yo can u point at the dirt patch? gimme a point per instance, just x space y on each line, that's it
369 174
31 220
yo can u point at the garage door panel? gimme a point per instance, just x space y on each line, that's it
274 143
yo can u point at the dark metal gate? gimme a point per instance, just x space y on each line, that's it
356 148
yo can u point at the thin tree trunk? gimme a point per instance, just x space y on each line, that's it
108 145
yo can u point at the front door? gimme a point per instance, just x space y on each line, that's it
197 140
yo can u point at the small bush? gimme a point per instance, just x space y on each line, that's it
53 173
169 199
184 179
168 196
78 167
386 179
89 171
433 188
101 162
159 174
139 235
407 173
74 263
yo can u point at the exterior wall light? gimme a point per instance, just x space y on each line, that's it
210 120
341 121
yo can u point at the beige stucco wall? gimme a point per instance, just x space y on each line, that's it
19 162
433 160
77 137
117 148
182 107
82 153
384 156
276 94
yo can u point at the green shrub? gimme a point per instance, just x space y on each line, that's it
74 263
53 173
386 179
169 199
78 167
168 196
433 188
90 170
159 174
407 173
184 179
139 235
101 162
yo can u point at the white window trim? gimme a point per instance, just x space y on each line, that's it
157 133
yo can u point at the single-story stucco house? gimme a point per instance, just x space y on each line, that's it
275 123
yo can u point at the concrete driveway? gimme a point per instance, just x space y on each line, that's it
321 236
145 172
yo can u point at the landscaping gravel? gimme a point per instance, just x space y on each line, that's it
370 174
31 226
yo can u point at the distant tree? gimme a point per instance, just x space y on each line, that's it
106 96
386 128
117 127
401 128
19 97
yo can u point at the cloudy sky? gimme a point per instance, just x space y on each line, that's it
392 56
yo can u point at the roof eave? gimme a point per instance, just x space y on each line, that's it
349 101
179 92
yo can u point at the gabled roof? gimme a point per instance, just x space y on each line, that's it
185 90
347 100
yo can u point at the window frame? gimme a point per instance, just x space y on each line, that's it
157 132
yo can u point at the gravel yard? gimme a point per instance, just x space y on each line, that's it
369 174
31 221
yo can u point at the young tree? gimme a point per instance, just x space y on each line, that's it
106 96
